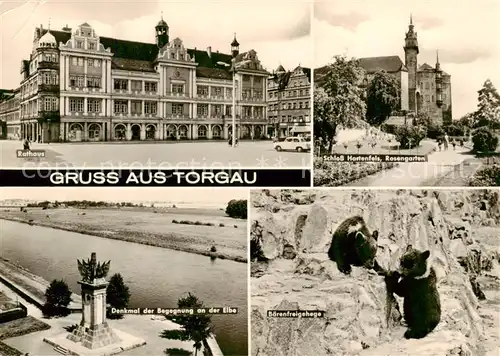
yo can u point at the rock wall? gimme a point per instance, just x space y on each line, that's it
294 228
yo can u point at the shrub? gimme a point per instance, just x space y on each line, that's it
221 225
235 226
118 294
58 297
210 224
489 176
213 249
175 221
198 223
237 209
455 130
410 136
434 131
177 352
485 140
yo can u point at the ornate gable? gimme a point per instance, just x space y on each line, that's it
85 39
175 51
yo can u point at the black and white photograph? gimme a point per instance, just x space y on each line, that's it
375 272
156 84
143 271
406 93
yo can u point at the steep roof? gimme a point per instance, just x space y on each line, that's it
307 72
390 64
320 74
139 56
425 66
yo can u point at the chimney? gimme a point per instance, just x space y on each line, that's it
209 51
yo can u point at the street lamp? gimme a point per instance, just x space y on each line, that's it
234 66
48 131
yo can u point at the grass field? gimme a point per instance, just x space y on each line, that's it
150 226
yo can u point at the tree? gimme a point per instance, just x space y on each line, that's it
488 107
382 97
117 293
57 298
484 140
237 209
339 101
197 327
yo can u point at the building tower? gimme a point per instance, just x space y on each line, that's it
235 47
439 82
411 54
161 33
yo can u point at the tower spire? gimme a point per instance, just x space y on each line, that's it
162 15
49 24
411 18
438 65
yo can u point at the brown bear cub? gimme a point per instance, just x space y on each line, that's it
421 306
353 245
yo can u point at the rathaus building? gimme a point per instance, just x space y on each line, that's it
78 86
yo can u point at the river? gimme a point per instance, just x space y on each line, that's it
157 277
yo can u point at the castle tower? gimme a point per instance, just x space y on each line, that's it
235 47
411 54
161 33
439 82
93 331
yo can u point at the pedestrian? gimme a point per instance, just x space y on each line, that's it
446 141
26 145
440 143
454 143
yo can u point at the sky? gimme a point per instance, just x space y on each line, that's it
279 30
119 194
466 33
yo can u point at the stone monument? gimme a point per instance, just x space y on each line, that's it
93 336
93 331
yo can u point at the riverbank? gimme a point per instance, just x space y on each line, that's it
30 286
147 226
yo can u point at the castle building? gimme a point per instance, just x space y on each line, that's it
78 86
289 106
423 88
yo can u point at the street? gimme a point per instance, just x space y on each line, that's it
208 155
416 174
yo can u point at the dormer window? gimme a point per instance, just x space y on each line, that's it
79 44
92 46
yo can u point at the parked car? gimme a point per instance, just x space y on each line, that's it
298 144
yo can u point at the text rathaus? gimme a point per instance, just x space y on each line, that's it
78 86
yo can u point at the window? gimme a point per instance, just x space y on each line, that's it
47 104
247 111
246 94
150 107
216 91
427 85
150 86
229 93
93 82
92 46
432 98
90 62
74 61
120 84
246 78
54 104
136 85
177 109
202 90
178 88
136 107
80 82
120 107
202 110
79 44
257 94
427 98
258 111
229 110
94 105
217 110
294 106
306 104
444 97
300 105
257 80
76 105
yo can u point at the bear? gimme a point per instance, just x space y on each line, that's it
353 245
416 282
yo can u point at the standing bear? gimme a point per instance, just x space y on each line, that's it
353 245
416 283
